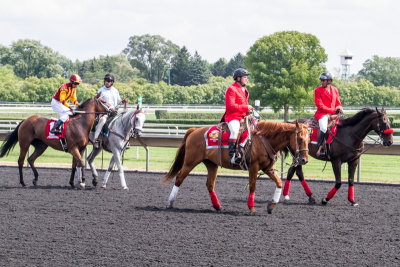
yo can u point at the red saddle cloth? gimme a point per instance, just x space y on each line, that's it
49 135
333 131
211 137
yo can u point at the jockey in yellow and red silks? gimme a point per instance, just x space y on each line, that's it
60 99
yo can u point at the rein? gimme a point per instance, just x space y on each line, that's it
131 131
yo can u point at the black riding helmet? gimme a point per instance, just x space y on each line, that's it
109 77
240 72
326 76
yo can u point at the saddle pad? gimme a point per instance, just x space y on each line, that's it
49 125
333 130
212 134
105 130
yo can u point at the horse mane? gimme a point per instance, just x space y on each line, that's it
81 106
356 118
271 128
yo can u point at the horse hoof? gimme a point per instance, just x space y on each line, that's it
34 182
311 200
354 204
252 210
125 188
324 201
270 207
82 186
94 183
286 198
103 186
23 184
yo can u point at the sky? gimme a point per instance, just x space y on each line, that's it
84 29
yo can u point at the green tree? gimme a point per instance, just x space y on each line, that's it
180 67
31 58
151 54
285 67
199 72
234 63
381 71
219 68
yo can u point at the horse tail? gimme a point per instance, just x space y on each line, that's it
179 158
9 143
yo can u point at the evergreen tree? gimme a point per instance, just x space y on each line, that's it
199 72
180 67
233 64
219 68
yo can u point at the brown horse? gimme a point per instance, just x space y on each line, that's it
31 131
347 146
192 151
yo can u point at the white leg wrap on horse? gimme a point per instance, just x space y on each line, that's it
173 194
105 179
123 182
79 173
277 195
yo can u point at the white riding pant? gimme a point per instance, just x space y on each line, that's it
62 111
234 127
323 123
100 125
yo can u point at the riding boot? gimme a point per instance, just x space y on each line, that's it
232 153
320 143
55 129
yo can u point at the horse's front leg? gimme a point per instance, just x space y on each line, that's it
117 159
288 181
252 188
337 170
80 167
73 170
108 172
90 160
278 190
352 169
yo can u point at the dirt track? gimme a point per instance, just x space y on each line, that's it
53 225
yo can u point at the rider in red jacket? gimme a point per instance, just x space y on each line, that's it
327 100
236 108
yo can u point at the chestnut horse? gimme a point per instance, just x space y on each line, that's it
31 131
192 151
347 146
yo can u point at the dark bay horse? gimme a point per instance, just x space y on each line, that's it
347 146
31 131
269 136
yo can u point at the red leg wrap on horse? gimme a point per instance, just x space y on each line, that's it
350 195
250 201
331 193
214 200
286 188
306 188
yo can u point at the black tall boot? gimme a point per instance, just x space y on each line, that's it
320 143
232 153
55 129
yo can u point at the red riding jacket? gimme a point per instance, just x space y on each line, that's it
236 102
326 101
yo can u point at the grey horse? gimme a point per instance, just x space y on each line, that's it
126 125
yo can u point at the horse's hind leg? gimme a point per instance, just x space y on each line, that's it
336 165
352 169
108 172
40 147
73 170
212 169
278 190
23 149
90 160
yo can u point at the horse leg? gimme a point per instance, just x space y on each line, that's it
73 170
212 169
252 188
307 190
117 159
90 160
40 147
180 177
108 172
288 180
22 154
352 169
336 165
80 167
277 193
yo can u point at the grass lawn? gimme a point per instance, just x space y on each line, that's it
374 168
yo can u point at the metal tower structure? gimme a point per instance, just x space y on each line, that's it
346 59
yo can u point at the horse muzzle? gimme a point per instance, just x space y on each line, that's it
137 133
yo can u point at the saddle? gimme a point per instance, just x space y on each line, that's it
248 123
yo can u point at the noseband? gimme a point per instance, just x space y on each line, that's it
296 157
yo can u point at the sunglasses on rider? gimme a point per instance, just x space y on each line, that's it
108 80
74 83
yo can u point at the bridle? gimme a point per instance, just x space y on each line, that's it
132 130
296 157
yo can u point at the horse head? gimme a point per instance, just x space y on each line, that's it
138 119
382 127
299 144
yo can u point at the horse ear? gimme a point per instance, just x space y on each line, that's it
297 124
383 110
